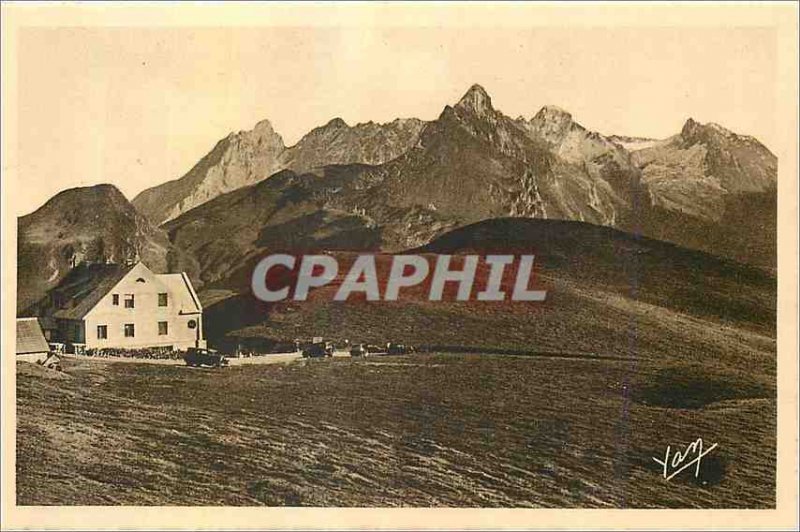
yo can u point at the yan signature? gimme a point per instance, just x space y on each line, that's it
674 463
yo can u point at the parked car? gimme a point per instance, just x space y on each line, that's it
200 356
375 349
318 350
359 350
399 349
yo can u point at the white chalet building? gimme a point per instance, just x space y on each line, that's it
127 307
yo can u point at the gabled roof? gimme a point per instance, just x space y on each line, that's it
47 323
30 338
85 286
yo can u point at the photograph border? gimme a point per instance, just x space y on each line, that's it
780 16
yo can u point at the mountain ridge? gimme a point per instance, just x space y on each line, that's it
474 163
247 157
400 184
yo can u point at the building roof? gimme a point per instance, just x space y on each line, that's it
30 338
85 286
47 323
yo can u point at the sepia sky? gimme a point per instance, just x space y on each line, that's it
139 106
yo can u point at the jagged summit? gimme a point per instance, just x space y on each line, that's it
477 100
263 126
694 131
553 111
698 171
690 128
332 126
474 162
336 123
553 116
262 134
552 124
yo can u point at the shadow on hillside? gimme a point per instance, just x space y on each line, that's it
232 313
693 387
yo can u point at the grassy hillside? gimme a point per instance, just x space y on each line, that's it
427 430
685 346
609 293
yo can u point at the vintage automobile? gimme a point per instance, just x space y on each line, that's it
200 356
399 349
359 350
318 350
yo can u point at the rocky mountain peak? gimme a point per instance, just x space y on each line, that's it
330 129
336 123
263 126
551 114
694 132
476 100
551 123
262 133
690 128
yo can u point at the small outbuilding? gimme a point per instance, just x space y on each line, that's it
31 343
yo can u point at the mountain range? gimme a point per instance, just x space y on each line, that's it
400 185
247 157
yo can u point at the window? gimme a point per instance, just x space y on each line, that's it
162 299
129 331
102 332
115 299
163 328
128 300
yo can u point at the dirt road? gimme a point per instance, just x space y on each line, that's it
275 358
